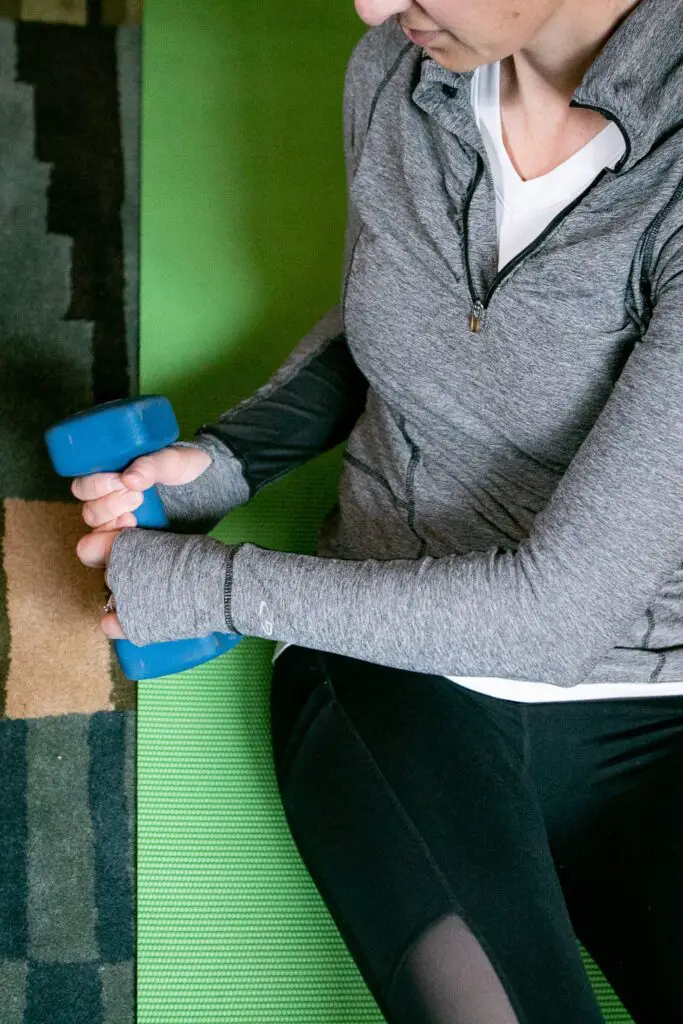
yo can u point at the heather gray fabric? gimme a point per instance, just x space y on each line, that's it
199 508
167 569
511 499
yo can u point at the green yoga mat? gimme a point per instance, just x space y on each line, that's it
243 209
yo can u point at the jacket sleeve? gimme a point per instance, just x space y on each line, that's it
313 401
309 406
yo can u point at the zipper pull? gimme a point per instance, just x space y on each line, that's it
477 317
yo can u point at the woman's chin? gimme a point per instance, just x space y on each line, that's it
454 56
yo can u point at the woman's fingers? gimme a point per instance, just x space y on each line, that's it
172 466
111 506
95 549
124 522
87 488
111 627
108 497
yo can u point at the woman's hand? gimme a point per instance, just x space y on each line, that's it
95 551
165 586
110 499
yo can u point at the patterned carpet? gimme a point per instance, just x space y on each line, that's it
69 123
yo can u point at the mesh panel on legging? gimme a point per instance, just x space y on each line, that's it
447 978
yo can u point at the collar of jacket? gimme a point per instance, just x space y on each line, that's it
636 81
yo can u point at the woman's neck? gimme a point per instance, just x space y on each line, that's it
540 129
551 69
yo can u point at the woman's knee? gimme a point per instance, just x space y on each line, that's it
447 978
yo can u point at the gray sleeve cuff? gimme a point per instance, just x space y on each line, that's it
199 506
169 587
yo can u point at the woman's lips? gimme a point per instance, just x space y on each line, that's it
422 38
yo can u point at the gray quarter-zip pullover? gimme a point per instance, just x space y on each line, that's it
511 501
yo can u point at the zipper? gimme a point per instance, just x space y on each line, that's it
478 310
477 317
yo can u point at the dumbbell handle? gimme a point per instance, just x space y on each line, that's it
107 439
151 513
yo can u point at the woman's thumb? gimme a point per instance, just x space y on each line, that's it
167 466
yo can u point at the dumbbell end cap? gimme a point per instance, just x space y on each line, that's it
109 437
172 657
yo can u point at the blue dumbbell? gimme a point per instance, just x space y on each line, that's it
106 439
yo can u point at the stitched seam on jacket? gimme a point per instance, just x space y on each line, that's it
267 391
382 86
660 667
651 237
415 458
399 502
375 100
227 589
263 394
657 671
650 627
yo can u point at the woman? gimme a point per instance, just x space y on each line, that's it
478 719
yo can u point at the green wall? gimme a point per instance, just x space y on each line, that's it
243 190
243 214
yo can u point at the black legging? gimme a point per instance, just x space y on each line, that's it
463 844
